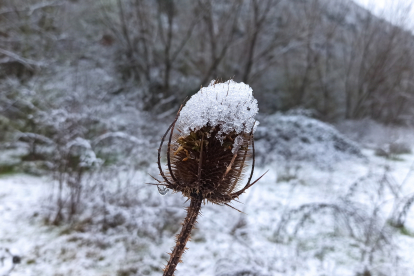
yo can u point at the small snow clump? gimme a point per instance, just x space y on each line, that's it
230 105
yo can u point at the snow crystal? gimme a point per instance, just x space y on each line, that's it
230 105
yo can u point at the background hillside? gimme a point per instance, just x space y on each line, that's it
330 56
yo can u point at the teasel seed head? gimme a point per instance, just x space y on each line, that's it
208 154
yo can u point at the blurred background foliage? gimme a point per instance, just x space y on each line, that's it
330 56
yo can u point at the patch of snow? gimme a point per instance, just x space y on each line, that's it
142 224
230 105
300 138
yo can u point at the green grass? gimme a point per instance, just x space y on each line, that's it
406 232
6 169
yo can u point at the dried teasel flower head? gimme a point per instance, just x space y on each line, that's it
214 140
208 154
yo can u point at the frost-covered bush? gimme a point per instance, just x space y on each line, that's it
111 199
373 134
353 229
70 146
120 226
116 200
400 148
392 149
311 113
299 138
18 106
325 230
60 140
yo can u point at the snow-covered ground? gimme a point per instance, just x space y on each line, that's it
322 237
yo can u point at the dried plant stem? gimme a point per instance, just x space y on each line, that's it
184 236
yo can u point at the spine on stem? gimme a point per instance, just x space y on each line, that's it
184 236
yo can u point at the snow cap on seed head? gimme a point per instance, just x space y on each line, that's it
230 105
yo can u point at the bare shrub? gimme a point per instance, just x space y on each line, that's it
346 220
392 149
400 148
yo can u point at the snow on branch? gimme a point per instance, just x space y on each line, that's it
117 134
35 136
31 64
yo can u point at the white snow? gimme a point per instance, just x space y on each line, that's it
230 105
286 138
225 242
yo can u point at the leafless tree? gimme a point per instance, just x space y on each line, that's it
258 14
219 22
153 36
377 64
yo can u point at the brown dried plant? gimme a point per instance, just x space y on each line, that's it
205 164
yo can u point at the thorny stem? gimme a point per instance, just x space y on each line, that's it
184 236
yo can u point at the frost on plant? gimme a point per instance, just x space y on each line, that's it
230 105
207 156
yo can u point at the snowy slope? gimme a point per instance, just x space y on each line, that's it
256 242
